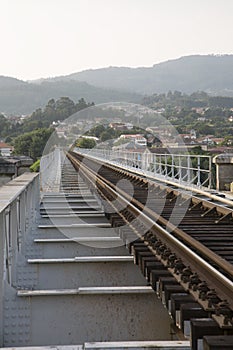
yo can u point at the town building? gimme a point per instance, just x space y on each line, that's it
5 149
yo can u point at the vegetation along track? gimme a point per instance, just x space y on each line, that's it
191 234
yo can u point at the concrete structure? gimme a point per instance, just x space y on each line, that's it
224 171
11 167
5 149
134 345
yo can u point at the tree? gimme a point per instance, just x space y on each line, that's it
61 109
85 143
96 130
5 126
30 125
50 110
82 104
37 115
64 108
228 141
35 167
106 135
32 143
205 129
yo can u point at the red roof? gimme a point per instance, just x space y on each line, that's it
5 145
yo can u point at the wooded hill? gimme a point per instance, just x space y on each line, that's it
209 73
20 97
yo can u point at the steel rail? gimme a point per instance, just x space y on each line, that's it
215 279
213 257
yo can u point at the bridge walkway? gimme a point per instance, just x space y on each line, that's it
68 278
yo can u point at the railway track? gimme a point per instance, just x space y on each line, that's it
191 235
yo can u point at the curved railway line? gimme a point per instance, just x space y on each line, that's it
190 234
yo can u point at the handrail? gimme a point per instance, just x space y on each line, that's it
19 203
195 170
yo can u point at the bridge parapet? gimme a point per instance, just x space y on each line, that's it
11 167
19 204
224 170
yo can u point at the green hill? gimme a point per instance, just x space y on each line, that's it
21 97
213 74
209 73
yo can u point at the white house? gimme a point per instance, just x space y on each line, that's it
5 149
137 138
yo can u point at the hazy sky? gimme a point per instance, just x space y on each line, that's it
41 38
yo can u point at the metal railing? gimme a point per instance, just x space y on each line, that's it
191 170
19 205
50 170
